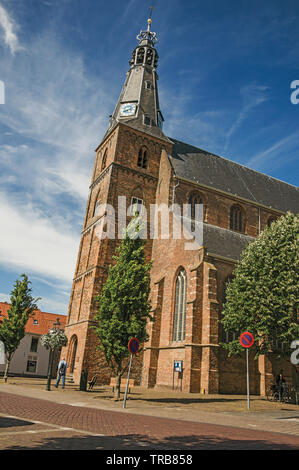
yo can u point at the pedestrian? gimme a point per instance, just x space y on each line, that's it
280 381
62 366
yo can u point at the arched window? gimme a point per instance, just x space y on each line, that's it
142 158
179 325
236 219
104 161
271 220
195 200
227 336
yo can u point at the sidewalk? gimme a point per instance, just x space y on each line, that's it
211 409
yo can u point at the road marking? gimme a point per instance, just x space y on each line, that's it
55 426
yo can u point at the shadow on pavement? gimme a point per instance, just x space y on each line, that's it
142 442
12 422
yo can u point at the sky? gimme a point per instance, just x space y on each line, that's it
225 72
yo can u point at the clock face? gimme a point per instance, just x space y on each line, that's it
128 109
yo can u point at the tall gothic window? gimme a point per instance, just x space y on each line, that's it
179 325
227 336
236 219
194 201
104 161
142 158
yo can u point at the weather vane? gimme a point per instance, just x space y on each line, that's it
148 34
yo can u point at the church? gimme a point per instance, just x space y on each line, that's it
137 161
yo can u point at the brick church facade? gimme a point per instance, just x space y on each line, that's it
138 161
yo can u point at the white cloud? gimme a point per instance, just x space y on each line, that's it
4 297
252 96
9 28
31 242
272 154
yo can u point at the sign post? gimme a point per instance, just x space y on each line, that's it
133 346
247 340
177 367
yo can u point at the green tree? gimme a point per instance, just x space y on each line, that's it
123 302
263 296
12 329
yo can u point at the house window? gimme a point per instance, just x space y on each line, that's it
104 161
35 322
179 325
147 120
31 365
148 85
236 219
34 345
142 158
136 205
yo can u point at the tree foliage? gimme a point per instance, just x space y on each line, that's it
263 296
123 302
12 329
54 340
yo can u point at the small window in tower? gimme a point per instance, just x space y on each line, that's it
147 120
148 85
142 158
136 205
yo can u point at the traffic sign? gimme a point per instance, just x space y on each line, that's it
246 339
133 345
178 366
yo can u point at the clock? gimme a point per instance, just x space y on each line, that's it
127 109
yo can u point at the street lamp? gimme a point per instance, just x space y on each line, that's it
51 355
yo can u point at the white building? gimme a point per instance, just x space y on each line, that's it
31 358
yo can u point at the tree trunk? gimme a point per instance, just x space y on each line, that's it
6 370
117 388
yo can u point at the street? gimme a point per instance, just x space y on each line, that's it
40 424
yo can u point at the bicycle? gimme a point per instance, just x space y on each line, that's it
273 394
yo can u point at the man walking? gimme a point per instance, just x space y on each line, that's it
62 366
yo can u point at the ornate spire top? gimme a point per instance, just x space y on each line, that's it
148 36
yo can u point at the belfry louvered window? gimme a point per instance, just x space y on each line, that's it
142 158
179 326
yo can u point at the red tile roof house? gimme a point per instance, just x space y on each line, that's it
31 359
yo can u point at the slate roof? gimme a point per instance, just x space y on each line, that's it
224 242
220 173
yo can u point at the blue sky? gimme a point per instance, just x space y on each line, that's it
225 71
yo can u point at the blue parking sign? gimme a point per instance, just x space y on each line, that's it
178 366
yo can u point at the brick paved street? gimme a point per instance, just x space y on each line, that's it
33 423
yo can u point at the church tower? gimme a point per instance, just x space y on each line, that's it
126 164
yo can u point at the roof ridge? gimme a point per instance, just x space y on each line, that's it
235 163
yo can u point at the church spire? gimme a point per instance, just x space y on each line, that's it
138 104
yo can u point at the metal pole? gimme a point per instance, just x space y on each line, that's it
127 386
50 370
248 398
